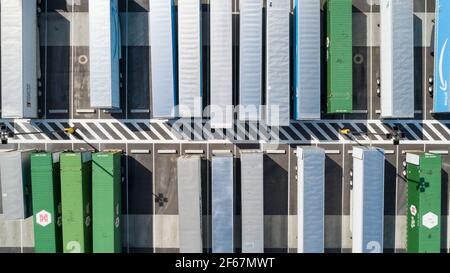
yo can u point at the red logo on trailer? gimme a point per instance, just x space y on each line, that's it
413 210
43 218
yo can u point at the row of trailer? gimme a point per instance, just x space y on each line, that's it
75 200
367 209
177 59
73 197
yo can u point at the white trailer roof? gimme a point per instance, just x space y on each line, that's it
190 58
307 59
397 59
189 179
250 60
252 206
104 53
19 58
222 204
15 177
368 200
163 58
278 63
221 64
310 200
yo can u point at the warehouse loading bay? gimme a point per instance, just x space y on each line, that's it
152 148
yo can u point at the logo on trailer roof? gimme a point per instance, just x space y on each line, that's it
430 220
443 85
43 218
413 210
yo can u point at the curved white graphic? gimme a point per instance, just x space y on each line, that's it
441 64
373 247
73 247
116 27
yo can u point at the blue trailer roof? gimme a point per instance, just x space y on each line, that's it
441 58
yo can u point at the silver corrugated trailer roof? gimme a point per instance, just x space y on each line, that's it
307 59
367 200
250 60
19 58
189 179
104 53
16 184
310 200
163 58
190 58
252 198
222 204
278 63
397 59
221 64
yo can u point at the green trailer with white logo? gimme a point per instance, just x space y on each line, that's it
424 202
106 202
46 184
76 201
339 44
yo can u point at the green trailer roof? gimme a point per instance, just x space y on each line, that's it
339 56
424 203
76 201
45 180
106 202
